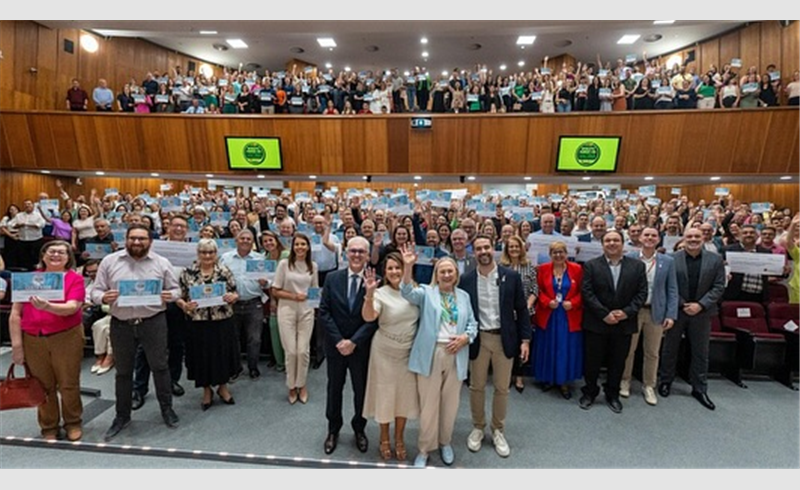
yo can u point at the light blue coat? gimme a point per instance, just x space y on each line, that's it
428 299
664 303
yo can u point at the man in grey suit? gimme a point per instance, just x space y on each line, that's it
465 261
614 287
701 283
658 314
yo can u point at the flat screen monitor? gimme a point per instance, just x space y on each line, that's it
588 153
254 153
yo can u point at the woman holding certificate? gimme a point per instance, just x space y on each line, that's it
48 336
208 289
293 278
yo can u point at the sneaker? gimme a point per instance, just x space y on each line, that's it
475 440
625 389
421 460
500 444
448 457
650 395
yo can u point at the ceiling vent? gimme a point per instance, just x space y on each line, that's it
474 47
563 43
652 38
372 48
297 50
219 47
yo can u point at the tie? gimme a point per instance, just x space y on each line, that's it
351 297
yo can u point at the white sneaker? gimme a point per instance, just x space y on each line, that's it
475 440
649 395
624 389
500 444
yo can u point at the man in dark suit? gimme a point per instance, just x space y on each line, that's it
505 332
747 287
701 283
614 289
347 342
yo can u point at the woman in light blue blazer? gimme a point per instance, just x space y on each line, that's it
438 356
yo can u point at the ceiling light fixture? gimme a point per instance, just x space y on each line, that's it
236 43
715 178
45 171
424 40
347 69
312 177
424 54
99 172
629 39
586 178
648 178
503 67
417 177
658 22
208 33
444 73
521 64
326 42
154 174
210 176
786 177
526 40
328 66
89 43
471 177
260 176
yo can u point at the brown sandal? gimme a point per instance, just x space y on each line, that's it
400 450
386 450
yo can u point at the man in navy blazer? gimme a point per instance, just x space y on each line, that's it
614 288
498 302
658 314
347 342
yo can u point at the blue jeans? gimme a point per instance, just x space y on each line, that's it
411 93
564 107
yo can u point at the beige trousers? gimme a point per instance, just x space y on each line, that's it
490 353
295 324
653 332
439 395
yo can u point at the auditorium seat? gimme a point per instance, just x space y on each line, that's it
759 350
778 315
723 353
777 293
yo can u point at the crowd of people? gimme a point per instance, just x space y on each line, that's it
410 296
589 86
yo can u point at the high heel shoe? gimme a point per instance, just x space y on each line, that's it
229 401
400 451
302 395
566 392
386 450
292 397
205 406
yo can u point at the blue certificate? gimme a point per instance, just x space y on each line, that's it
98 250
208 295
424 255
139 292
225 245
676 191
219 218
647 190
760 207
45 285
162 99
313 297
260 269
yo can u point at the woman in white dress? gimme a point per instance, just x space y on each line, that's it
391 386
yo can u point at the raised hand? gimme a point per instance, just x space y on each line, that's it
409 254
370 281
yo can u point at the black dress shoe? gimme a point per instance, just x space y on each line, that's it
664 389
317 363
586 402
137 400
330 443
519 389
170 417
205 406
229 401
361 442
177 390
116 427
271 363
255 374
566 393
614 404
704 400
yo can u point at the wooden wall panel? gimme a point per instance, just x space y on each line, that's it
658 142
729 48
790 56
771 35
709 55
750 46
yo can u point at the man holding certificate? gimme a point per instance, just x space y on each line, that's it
746 287
144 323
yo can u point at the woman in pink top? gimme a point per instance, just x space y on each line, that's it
48 336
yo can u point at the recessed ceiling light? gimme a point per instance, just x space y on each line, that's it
648 178
89 43
663 22
406 73
521 63
417 177
347 69
312 177
527 178
45 171
471 177
424 54
416 185
210 176
715 178
503 67
526 40
260 176
365 178
99 172
586 178
444 73
424 40
208 33
154 174
629 39
786 177
328 65
236 43
326 42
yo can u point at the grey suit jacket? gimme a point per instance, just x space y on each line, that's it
664 303
711 284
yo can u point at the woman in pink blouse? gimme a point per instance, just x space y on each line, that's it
48 336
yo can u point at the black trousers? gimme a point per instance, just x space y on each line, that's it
151 336
176 337
597 349
318 335
338 366
698 332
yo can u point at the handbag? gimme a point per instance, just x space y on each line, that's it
24 392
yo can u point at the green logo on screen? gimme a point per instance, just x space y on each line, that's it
254 153
587 154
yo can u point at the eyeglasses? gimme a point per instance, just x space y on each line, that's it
51 251
138 238
207 252
357 251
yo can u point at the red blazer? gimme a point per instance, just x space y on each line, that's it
544 278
